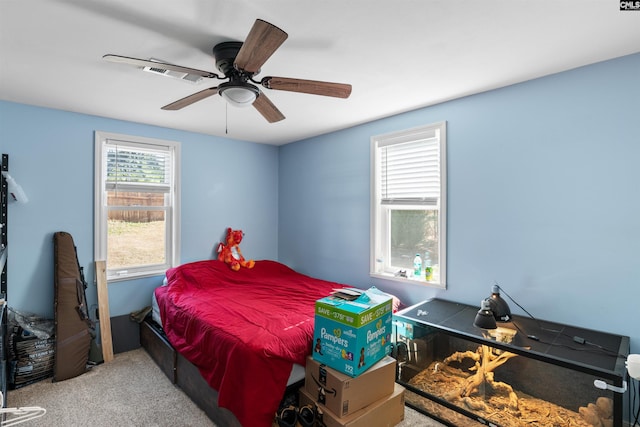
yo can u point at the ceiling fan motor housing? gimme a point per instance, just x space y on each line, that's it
238 91
225 54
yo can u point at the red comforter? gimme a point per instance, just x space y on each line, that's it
244 330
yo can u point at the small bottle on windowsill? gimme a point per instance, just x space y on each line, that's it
428 269
417 266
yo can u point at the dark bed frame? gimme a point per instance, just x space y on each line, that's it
187 377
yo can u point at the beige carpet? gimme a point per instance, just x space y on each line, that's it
129 391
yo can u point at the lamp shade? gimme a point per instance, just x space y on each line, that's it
484 319
238 94
499 307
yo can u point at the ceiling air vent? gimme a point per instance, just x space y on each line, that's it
193 78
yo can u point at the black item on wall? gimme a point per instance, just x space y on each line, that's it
4 200
3 280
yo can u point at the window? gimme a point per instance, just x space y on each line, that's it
136 205
408 204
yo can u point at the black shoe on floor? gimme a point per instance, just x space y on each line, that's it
307 416
287 417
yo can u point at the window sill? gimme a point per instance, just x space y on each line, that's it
134 276
411 279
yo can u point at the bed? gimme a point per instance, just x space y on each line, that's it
246 334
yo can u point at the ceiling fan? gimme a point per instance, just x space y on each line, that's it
239 63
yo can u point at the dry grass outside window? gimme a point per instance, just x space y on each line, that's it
135 243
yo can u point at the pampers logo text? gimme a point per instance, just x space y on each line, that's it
374 335
335 340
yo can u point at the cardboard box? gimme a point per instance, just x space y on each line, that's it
386 412
342 394
350 336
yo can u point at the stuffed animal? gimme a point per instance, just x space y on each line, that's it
230 252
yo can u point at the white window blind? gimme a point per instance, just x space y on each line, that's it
411 172
138 169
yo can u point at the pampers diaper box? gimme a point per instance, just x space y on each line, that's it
350 335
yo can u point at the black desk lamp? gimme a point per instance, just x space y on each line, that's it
485 318
498 305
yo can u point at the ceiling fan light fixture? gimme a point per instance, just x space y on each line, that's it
239 94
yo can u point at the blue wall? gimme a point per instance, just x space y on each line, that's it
224 183
543 198
543 182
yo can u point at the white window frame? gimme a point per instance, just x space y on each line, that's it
380 228
172 237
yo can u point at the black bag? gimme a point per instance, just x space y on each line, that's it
73 328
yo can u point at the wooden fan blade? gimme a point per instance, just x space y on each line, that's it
338 90
267 109
188 100
161 65
262 41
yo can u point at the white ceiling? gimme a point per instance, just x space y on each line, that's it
399 55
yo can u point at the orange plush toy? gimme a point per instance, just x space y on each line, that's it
230 253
